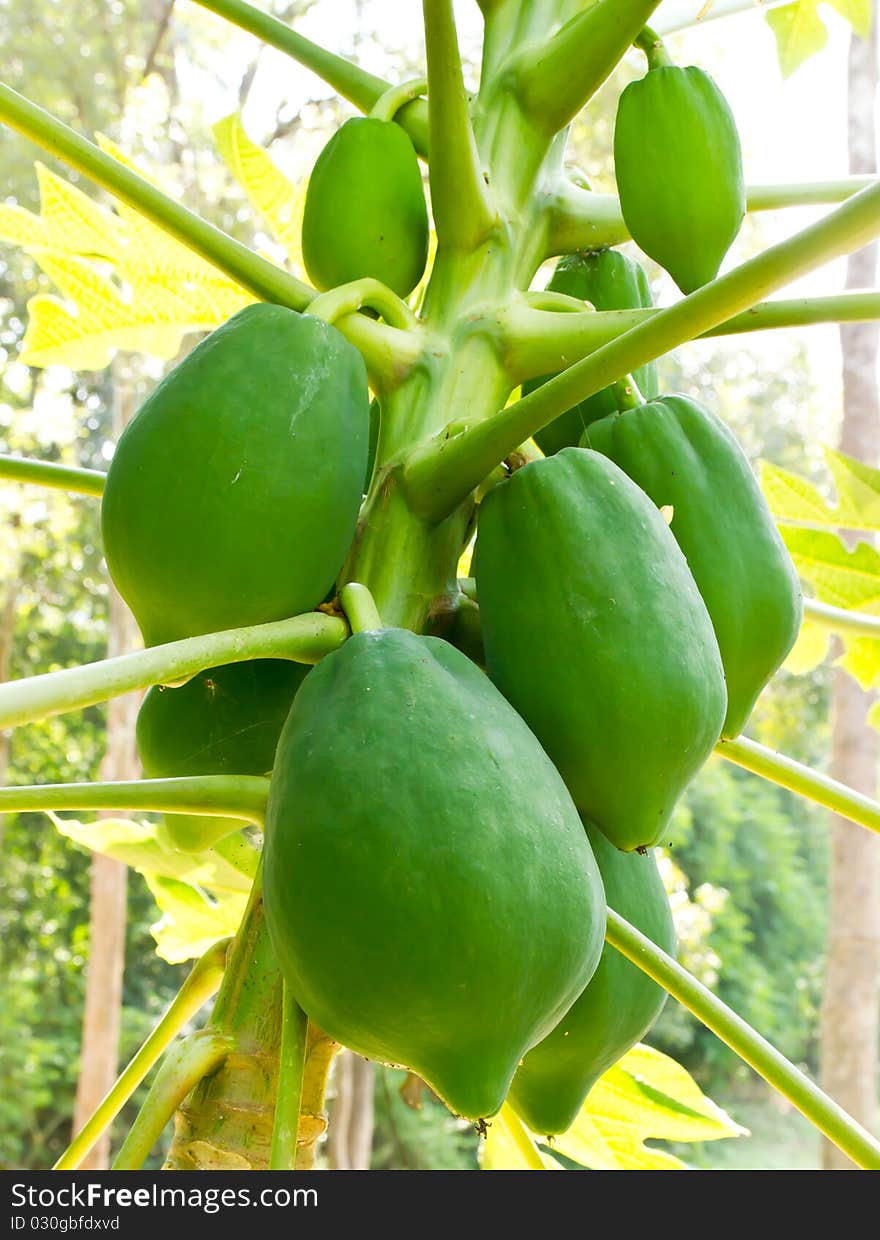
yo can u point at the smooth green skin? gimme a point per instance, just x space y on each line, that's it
596 633
609 280
365 211
678 165
233 494
429 888
224 721
681 454
616 1010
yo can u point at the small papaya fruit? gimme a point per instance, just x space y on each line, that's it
233 494
682 455
365 211
617 1008
678 165
430 891
609 280
596 633
224 721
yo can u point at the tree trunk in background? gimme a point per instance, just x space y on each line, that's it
7 633
107 909
350 1132
851 1005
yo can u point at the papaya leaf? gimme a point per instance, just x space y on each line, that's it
191 920
794 499
858 492
499 1151
844 577
645 1096
800 33
140 846
277 199
810 649
857 12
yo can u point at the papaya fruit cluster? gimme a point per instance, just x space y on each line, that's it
443 838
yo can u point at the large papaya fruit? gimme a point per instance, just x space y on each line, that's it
365 212
233 493
617 1008
682 455
429 888
595 631
679 172
609 280
224 721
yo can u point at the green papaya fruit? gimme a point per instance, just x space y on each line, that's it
682 455
224 721
596 633
365 211
233 494
430 891
679 172
614 1012
609 280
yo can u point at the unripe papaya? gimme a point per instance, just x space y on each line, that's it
614 1012
595 631
430 891
233 493
682 455
609 280
679 171
224 721
365 212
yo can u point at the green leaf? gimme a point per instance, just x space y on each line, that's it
139 845
810 649
191 920
792 498
858 492
800 33
841 576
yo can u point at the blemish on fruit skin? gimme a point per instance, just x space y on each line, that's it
236 478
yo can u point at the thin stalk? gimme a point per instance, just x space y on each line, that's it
803 780
839 620
346 299
581 220
48 474
655 50
387 352
291 1059
359 87
360 608
538 336
320 1051
521 1138
755 1050
556 80
214 796
442 473
388 105
198 988
303 639
187 1063
463 212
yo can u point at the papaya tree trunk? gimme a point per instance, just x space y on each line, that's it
851 1005
108 888
350 1135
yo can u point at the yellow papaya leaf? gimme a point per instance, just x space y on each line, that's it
861 658
191 921
75 223
810 649
278 200
841 576
800 33
858 492
792 498
21 227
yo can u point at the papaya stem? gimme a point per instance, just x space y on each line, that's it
288 1095
656 51
796 777
196 990
302 639
388 105
840 619
749 1045
214 796
555 81
347 299
320 1051
50 474
463 212
360 608
537 339
441 473
627 394
355 84
184 1066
